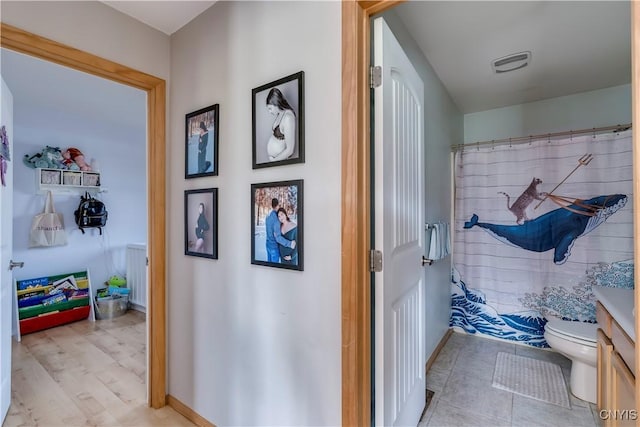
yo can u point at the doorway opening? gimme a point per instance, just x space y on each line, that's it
20 41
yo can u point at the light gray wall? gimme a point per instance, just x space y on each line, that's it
248 344
443 127
93 27
603 107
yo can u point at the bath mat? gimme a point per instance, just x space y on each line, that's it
531 378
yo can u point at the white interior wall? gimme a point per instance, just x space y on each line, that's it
586 110
248 344
102 31
121 153
443 127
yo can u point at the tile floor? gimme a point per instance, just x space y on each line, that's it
461 378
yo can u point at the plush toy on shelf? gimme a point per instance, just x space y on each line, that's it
74 159
49 157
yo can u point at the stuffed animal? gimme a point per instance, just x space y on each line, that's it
74 159
49 157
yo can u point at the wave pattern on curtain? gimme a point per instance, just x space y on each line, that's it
516 265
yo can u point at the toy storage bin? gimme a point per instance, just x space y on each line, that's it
108 308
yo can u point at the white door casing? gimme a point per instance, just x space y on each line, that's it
6 246
400 383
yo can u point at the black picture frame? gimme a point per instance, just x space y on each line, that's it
201 159
196 242
269 146
290 198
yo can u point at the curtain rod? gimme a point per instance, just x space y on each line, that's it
523 139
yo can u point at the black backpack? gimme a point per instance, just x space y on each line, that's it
91 213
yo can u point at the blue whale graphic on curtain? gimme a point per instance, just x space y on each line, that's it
557 229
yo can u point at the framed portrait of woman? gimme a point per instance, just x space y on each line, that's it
201 223
276 224
201 142
278 122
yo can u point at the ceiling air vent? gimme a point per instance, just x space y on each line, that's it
511 62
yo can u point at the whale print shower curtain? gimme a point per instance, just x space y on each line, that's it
536 225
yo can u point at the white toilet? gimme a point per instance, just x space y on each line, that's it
576 341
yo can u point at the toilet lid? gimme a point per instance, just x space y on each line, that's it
580 330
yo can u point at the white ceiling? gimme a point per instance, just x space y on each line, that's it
166 16
576 46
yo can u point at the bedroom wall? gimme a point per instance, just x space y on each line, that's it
105 32
443 127
248 344
597 108
110 127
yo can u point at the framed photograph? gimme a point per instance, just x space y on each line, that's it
201 142
276 224
278 122
201 223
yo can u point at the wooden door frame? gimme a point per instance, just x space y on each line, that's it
356 210
24 42
356 186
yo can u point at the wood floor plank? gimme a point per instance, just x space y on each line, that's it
41 397
85 374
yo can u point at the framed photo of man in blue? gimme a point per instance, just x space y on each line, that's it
276 224
201 142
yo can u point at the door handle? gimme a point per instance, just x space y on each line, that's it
426 261
15 264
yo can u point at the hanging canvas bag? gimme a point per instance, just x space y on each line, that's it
47 228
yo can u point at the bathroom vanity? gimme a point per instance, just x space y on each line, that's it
616 356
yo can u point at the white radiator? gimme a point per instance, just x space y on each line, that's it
137 275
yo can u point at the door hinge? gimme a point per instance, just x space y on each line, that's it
375 261
375 76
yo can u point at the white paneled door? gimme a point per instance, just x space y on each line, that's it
6 246
400 384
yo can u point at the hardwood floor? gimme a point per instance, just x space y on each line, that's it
85 374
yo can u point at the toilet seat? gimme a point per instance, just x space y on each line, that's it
578 332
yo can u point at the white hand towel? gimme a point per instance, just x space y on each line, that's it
433 243
438 229
448 239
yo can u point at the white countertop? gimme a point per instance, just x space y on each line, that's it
619 303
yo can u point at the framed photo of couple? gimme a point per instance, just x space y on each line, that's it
201 223
278 122
276 224
201 142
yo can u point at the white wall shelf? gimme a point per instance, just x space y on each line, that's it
67 181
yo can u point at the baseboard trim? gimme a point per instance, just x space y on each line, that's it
436 352
187 412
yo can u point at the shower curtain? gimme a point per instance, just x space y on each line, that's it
520 258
